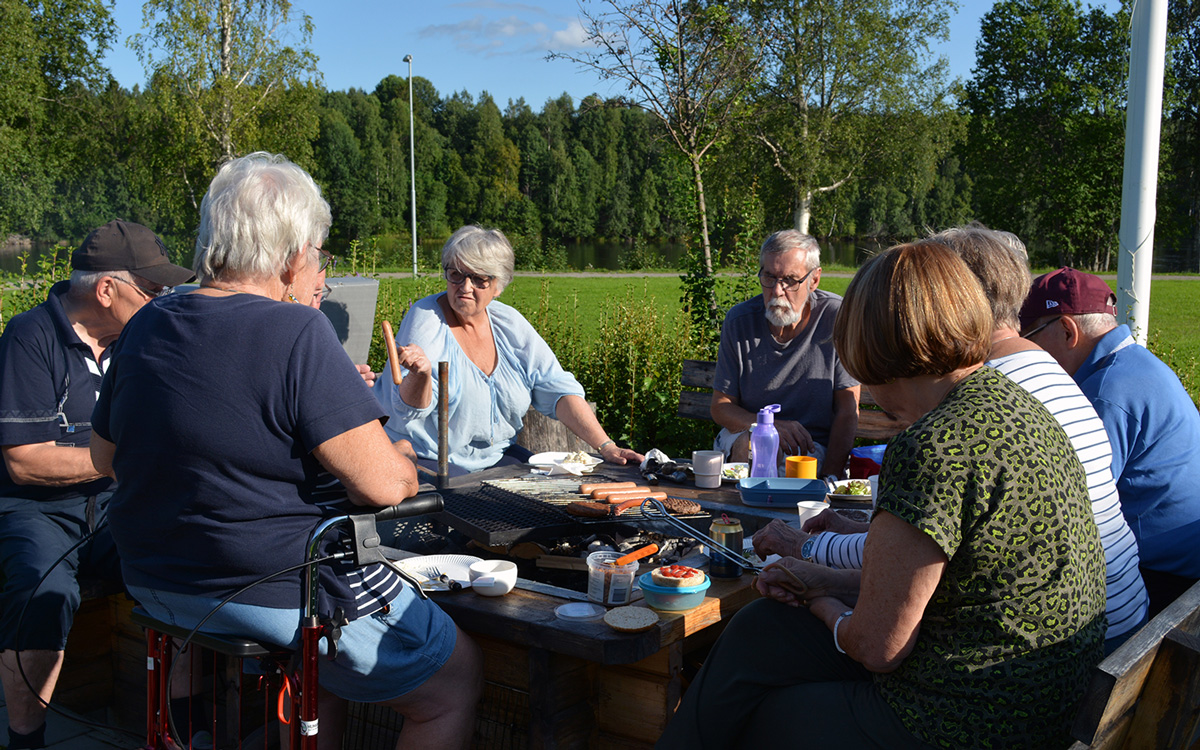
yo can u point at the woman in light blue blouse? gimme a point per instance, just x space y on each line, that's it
499 366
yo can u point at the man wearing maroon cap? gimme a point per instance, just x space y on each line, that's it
1151 422
51 497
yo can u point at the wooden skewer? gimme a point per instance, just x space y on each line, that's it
389 341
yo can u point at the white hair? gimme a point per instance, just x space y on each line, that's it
486 252
1095 324
786 240
83 283
259 211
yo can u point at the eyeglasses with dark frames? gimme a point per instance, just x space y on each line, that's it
1031 334
457 278
150 293
327 261
788 283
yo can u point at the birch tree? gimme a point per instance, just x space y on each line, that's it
688 63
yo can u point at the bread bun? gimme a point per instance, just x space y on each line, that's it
676 576
631 619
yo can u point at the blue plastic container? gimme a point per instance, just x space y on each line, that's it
672 598
780 492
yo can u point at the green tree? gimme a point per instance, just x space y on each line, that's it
226 62
843 81
687 62
1046 135
1179 194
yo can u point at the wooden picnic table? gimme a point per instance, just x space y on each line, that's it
582 684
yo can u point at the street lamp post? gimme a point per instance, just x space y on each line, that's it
412 164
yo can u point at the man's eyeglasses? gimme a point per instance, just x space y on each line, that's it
327 261
1031 334
787 282
150 293
457 278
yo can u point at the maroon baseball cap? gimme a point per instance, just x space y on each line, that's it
125 246
1067 292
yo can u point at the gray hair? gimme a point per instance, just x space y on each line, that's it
999 260
83 283
1095 324
786 240
486 252
259 212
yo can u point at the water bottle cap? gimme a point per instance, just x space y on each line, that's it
766 415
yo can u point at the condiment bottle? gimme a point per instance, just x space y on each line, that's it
764 444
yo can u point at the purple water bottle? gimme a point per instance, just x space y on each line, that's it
764 444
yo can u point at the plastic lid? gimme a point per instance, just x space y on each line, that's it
579 611
766 415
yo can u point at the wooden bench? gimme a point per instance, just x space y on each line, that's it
1146 694
873 424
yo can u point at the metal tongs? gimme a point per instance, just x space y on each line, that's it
736 558
660 514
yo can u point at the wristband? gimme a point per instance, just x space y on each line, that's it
600 448
836 623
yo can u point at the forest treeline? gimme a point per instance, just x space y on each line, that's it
1032 142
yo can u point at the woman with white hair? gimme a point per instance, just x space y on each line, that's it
220 413
499 366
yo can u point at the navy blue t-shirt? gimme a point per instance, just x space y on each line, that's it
48 383
215 405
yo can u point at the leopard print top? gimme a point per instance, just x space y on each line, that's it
1017 622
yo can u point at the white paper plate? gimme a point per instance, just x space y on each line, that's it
850 498
552 458
456 566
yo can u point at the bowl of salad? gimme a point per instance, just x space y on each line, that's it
851 490
731 473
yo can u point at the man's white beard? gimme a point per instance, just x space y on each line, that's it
780 313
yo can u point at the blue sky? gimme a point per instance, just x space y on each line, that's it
476 45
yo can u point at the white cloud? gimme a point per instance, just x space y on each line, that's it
573 37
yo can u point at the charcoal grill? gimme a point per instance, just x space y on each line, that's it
502 512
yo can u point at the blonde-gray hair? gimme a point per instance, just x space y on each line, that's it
486 252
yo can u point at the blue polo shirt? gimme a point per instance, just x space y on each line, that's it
49 379
1154 429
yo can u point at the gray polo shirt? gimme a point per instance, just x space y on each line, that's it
800 375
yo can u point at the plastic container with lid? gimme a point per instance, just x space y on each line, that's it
764 444
672 598
609 584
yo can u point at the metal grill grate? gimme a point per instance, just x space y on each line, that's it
507 511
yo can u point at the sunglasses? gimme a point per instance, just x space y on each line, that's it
457 278
150 293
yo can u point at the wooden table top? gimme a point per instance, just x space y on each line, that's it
527 615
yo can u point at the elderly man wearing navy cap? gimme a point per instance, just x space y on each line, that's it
1151 421
51 497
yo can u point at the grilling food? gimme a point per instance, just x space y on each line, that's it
604 492
639 494
587 509
681 507
587 489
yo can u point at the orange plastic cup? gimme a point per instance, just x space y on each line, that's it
803 467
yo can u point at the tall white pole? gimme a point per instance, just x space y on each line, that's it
412 164
1143 127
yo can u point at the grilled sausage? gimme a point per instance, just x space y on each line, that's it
587 509
604 492
641 494
587 489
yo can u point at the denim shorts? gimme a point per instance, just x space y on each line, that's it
380 656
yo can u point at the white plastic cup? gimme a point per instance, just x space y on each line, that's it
708 481
708 463
493 577
873 480
810 509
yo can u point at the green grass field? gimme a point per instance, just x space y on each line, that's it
1174 331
